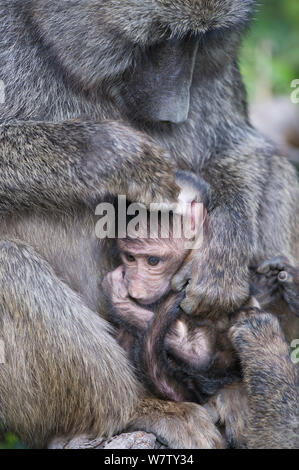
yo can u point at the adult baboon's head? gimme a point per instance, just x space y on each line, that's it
147 48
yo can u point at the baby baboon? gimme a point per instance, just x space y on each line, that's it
142 281
181 357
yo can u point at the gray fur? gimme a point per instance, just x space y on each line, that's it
68 68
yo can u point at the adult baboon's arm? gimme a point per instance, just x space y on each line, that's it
218 270
61 163
271 380
247 193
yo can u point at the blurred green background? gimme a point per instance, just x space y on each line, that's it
269 62
270 54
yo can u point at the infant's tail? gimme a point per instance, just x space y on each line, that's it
151 351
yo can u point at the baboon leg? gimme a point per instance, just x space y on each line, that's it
63 372
271 380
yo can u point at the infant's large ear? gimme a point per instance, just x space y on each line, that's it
193 188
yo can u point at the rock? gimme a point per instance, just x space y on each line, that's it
134 440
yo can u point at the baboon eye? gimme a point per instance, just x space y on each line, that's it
153 260
129 257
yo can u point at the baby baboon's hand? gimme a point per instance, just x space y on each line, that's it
124 310
114 285
281 279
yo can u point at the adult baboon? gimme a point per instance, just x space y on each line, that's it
167 68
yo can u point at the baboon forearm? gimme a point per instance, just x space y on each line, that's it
273 400
43 163
229 236
271 380
57 164
233 208
223 260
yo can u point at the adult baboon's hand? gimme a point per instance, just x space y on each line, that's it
134 164
210 286
178 425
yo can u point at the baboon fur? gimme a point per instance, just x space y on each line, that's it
104 97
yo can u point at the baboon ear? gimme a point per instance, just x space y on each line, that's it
193 188
194 199
198 216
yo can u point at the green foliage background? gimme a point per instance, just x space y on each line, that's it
10 441
270 54
269 62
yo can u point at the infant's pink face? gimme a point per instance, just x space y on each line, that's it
150 265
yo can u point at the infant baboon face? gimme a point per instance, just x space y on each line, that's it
150 260
150 265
